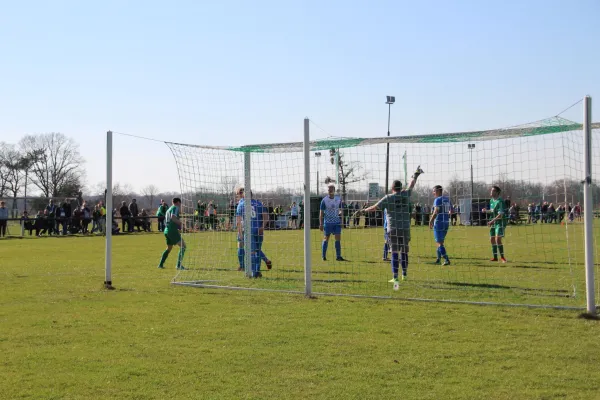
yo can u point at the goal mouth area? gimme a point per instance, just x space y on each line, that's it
531 163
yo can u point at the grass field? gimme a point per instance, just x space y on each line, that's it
63 337
545 265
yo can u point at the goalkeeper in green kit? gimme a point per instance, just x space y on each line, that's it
172 236
497 223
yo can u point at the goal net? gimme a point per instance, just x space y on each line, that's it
537 166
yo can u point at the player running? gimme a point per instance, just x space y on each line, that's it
330 222
497 223
259 220
440 222
172 236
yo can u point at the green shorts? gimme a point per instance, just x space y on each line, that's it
172 238
497 230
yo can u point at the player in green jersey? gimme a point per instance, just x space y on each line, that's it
497 223
172 235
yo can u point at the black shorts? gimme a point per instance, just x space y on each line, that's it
294 217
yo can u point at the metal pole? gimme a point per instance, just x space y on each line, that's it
247 216
387 153
109 215
317 183
26 173
472 191
307 221
337 168
588 214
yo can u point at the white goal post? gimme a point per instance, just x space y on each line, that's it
550 252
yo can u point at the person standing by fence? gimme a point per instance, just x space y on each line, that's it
3 218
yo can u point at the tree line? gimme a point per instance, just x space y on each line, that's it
50 162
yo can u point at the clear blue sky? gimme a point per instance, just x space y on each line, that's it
241 72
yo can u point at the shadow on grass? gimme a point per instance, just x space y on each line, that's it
494 264
529 291
589 317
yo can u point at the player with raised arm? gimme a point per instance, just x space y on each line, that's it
259 220
398 223
330 222
440 222
497 223
172 236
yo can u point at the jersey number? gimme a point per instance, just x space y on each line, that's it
446 208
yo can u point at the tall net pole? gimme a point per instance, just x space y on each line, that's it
588 206
247 215
306 216
109 207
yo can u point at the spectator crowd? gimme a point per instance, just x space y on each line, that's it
71 217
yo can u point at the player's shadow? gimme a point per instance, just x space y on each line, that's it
531 267
330 272
522 266
339 281
529 291
479 285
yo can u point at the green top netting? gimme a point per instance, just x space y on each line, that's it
543 127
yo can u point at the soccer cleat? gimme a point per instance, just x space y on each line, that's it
240 269
161 267
269 264
340 259
404 277
393 280
493 259
181 268
446 262
385 259
324 258
437 262
503 260
258 275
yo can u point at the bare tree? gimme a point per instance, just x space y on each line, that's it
58 169
4 169
349 172
122 192
12 161
228 185
150 191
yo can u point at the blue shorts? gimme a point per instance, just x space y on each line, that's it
256 241
335 229
386 236
439 232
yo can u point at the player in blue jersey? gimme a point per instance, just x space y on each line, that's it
330 222
259 220
440 222
386 246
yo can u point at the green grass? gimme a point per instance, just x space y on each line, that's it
63 337
545 265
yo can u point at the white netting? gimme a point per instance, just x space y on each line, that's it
533 164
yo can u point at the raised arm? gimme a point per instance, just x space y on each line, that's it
415 176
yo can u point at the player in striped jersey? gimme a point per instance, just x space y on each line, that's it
330 222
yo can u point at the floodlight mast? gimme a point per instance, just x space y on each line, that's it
389 101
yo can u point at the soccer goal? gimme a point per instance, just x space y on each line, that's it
539 167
